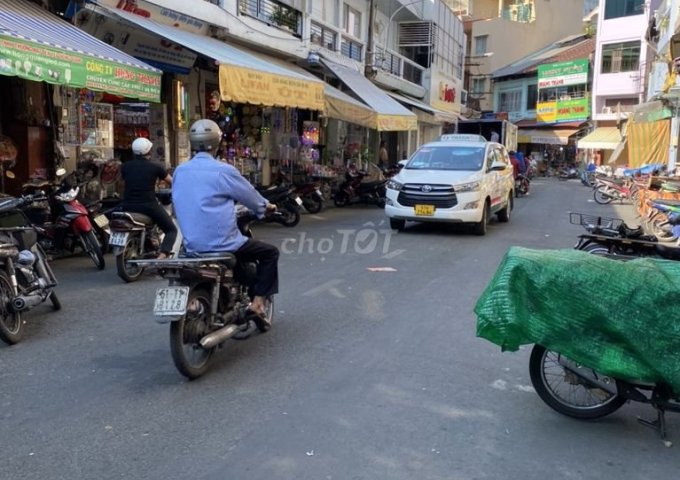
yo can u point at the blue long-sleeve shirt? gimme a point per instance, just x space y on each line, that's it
203 194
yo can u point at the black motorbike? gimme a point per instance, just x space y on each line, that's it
612 237
354 190
26 278
135 236
287 202
205 302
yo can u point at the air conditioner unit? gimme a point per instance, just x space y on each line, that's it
607 110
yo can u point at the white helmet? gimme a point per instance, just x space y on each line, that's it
205 136
141 146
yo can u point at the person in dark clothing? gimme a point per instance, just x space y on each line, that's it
140 176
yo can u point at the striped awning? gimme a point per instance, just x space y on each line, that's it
38 45
648 142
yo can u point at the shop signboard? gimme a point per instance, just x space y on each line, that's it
563 111
34 61
562 74
152 49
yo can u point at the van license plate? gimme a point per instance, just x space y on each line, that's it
118 239
425 210
171 301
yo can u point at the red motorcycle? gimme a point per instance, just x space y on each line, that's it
64 223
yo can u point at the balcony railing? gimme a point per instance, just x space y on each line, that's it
274 14
352 49
323 36
398 65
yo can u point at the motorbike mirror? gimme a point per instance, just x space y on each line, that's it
10 174
60 172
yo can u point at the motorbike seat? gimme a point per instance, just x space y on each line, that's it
273 189
137 217
667 202
228 258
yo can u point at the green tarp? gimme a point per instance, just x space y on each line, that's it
621 318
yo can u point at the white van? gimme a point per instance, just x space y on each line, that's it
461 178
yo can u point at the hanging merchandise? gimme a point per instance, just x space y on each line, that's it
310 133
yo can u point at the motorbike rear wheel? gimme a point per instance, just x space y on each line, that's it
601 196
548 375
11 330
189 357
56 303
291 215
312 203
93 249
129 273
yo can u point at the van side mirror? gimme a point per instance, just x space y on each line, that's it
499 166
402 163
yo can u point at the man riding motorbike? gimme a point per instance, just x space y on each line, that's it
140 176
203 193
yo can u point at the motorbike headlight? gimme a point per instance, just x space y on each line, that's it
467 187
392 185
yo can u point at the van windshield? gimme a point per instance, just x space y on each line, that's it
464 158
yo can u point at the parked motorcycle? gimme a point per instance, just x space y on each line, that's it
288 204
205 303
135 236
63 222
612 237
663 218
568 173
26 278
353 190
608 189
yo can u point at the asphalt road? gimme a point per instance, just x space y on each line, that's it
365 375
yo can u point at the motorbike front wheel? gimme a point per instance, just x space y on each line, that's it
127 272
566 392
189 357
601 196
10 322
93 249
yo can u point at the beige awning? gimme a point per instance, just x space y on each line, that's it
602 138
545 137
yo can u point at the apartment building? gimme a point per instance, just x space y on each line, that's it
500 32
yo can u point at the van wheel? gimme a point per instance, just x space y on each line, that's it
481 227
397 224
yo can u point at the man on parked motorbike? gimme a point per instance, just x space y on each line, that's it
203 193
140 176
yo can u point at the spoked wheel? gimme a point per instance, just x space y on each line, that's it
568 393
10 322
126 271
93 249
189 357
597 249
601 196
264 324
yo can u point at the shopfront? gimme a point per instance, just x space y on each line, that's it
57 83
552 148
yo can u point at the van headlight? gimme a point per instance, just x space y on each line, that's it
392 185
467 187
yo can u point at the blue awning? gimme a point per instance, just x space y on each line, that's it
38 45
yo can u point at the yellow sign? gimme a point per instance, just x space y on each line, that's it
245 85
396 123
546 112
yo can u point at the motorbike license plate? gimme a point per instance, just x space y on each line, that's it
102 221
171 301
425 210
298 200
118 239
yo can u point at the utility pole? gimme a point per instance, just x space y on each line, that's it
370 44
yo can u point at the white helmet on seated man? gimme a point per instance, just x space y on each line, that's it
142 146
205 136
